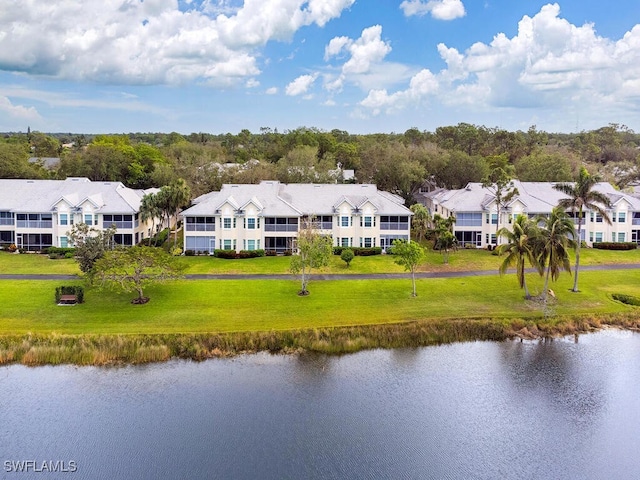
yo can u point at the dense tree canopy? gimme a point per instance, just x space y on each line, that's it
451 156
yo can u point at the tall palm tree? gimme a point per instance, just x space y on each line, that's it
557 236
520 248
149 210
581 195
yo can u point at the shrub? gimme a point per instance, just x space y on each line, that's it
12 248
270 253
627 299
359 251
189 253
76 290
615 245
59 252
347 255
228 254
231 254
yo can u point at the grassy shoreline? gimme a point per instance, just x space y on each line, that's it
103 350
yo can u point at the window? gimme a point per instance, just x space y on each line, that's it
88 219
367 242
64 219
468 219
491 218
345 221
200 224
367 221
226 244
621 236
200 244
622 217
491 239
226 222
344 242
598 218
251 244
251 224
598 236
394 222
64 243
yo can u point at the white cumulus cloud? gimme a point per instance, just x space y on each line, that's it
439 9
150 42
300 85
548 63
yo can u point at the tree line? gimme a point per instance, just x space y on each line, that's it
450 157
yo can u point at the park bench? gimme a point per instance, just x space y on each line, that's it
68 299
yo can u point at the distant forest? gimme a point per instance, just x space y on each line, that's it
450 157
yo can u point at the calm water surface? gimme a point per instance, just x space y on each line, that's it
515 410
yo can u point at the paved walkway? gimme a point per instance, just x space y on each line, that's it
321 276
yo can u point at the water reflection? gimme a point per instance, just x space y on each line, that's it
476 410
558 374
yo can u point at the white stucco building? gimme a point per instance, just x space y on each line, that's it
268 215
36 214
477 217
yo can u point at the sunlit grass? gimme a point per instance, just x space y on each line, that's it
257 305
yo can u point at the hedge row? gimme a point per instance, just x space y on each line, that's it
359 251
59 252
615 246
231 254
628 299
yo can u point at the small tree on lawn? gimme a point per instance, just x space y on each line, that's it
408 254
132 269
347 256
445 240
90 244
314 251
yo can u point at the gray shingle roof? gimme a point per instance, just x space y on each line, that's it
538 197
295 199
24 196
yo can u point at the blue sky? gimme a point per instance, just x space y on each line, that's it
218 66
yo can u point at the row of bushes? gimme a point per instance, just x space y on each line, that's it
229 254
59 252
615 245
360 251
627 299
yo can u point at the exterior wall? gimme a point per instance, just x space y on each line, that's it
624 227
360 228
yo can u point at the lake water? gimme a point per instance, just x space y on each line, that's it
561 409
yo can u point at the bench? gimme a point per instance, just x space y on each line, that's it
68 300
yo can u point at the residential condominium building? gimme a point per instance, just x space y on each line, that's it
36 214
477 218
268 216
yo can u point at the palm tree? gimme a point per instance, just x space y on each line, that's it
557 235
149 210
520 248
582 196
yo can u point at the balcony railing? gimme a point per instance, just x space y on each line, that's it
394 226
270 227
118 224
201 227
34 224
6 221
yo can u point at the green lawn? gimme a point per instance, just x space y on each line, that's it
463 260
259 305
